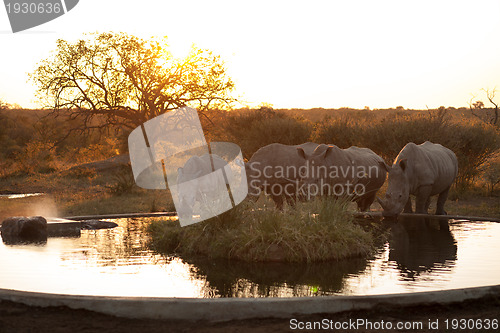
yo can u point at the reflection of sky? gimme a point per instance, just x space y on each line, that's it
116 262
103 262
18 196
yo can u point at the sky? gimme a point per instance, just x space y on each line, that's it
296 54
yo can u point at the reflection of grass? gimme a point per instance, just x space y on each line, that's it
237 278
259 232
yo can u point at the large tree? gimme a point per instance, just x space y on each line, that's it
115 79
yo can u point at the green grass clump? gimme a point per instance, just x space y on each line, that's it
317 230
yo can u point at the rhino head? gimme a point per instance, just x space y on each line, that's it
314 173
398 190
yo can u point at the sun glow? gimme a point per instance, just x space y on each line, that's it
289 54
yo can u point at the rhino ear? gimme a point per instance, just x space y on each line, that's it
179 172
301 152
385 166
403 164
328 151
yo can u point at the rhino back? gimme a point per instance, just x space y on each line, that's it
278 156
429 164
201 166
219 163
367 160
363 156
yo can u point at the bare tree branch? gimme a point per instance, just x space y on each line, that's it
491 95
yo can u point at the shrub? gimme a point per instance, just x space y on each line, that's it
343 132
491 173
98 151
253 129
122 181
472 143
36 157
391 134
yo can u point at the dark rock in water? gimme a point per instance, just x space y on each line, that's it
96 224
20 229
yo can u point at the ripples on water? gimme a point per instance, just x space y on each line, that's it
420 256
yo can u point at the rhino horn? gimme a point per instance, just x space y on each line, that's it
384 206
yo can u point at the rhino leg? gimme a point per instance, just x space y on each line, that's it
427 204
290 200
440 202
365 202
408 206
278 201
424 192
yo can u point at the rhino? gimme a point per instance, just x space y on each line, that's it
357 173
423 171
274 169
192 187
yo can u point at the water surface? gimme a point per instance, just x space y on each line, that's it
420 256
20 195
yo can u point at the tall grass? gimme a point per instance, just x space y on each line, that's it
318 230
473 143
253 129
386 132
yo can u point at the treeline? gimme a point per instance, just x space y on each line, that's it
32 142
476 144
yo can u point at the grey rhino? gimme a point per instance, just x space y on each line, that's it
275 169
196 186
354 172
422 170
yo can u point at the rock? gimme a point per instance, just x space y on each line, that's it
20 229
96 224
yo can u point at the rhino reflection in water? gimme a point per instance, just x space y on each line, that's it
421 245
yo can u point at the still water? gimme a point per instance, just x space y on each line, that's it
420 256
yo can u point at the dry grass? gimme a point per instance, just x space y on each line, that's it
318 230
78 193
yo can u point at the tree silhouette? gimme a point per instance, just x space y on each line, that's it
484 114
3 105
115 79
